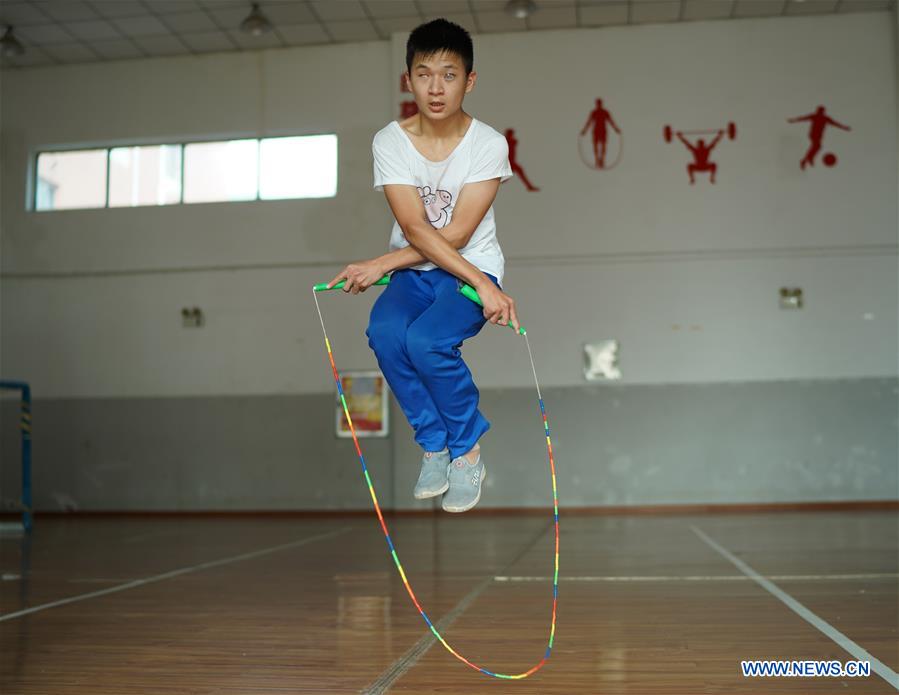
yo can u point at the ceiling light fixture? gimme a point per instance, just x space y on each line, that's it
256 23
9 45
521 9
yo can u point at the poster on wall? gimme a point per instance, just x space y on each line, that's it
367 401
596 150
818 121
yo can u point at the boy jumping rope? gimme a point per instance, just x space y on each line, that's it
440 171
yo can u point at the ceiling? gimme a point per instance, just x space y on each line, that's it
82 31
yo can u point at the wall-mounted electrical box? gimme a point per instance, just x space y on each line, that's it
192 317
791 298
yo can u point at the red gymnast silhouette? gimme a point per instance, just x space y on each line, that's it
599 117
701 152
513 160
819 121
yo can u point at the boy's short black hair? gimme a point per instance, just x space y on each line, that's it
438 36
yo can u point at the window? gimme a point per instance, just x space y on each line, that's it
304 167
144 175
196 172
69 180
221 171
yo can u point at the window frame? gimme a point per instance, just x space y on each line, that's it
33 180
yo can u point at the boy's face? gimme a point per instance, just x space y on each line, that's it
439 84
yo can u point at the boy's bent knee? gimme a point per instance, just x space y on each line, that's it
384 338
420 347
426 351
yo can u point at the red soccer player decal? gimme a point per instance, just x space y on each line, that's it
600 118
513 160
819 120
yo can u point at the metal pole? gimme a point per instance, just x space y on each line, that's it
26 457
25 425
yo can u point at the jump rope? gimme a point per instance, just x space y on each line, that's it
471 294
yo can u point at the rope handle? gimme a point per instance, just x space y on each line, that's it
467 290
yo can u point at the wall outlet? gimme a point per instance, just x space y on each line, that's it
791 298
192 317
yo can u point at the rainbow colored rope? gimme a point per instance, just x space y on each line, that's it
396 560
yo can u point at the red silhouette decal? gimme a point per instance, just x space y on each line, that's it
599 118
513 160
819 120
701 150
408 109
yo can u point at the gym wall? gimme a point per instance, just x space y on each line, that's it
724 396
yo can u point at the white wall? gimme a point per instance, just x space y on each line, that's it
628 253
80 318
634 251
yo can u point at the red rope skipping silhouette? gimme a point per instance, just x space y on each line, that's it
819 121
599 117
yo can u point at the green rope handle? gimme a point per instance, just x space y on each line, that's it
467 290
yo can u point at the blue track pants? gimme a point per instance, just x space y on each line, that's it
416 328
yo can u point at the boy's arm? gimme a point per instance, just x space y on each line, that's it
405 204
499 307
437 246
474 202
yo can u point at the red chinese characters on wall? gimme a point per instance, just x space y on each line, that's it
408 107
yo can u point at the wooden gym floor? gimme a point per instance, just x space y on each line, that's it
647 604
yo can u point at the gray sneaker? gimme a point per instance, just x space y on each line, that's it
432 479
464 484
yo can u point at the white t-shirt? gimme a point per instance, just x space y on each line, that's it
482 154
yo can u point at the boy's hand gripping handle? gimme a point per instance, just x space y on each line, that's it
467 290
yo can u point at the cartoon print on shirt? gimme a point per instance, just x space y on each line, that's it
437 205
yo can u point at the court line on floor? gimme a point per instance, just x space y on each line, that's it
399 667
880 668
174 573
698 577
